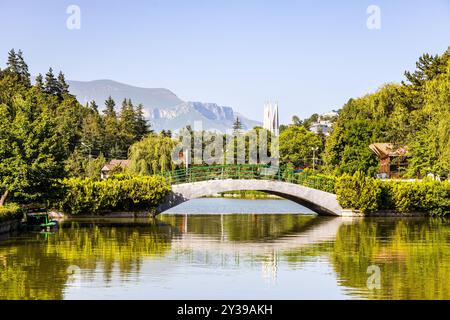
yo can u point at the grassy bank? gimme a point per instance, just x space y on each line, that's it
369 195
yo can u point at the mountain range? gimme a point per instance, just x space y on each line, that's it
163 108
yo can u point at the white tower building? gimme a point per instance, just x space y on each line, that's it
271 121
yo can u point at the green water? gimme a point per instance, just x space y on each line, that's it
239 256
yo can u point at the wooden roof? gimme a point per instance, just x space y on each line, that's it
384 150
114 163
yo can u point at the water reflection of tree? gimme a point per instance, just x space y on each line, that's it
26 272
122 245
413 256
37 268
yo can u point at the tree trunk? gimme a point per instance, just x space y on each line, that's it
3 198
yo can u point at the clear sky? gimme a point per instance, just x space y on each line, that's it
310 56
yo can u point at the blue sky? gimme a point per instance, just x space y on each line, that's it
310 56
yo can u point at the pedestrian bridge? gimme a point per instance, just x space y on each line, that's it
310 190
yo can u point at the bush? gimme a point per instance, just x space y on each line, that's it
428 196
10 212
85 196
369 195
359 192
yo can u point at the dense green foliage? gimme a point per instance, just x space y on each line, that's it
151 155
415 113
426 196
37 133
120 193
46 135
296 146
10 212
368 194
358 192
78 166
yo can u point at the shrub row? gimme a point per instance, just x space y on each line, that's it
124 193
10 212
368 194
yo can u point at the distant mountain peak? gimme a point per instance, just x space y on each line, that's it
162 107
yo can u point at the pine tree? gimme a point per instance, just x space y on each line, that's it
142 127
39 82
237 126
62 84
13 62
111 139
93 106
127 124
109 108
51 84
24 74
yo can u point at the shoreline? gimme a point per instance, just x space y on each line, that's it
140 214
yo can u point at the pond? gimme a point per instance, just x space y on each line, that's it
253 253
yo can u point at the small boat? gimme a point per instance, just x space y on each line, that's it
41 220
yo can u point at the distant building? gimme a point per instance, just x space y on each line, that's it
324 123
392 160
321 126
113 165
271 121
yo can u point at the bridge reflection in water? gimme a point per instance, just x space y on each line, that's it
229 256
265 247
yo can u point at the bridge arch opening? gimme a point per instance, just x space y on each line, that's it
321 202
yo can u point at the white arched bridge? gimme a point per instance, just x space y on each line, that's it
310 190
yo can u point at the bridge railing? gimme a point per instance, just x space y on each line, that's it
248 171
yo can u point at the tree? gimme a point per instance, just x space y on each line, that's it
62 84
127 124
92 135
166 133
296 121
309 121
39 82
51 84
13 63
427 68
93 106
296 145
31 151
142 127
109 108
237 126
18 67
24 75
414 114
111 126
151 155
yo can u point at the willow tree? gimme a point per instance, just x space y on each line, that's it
151 155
